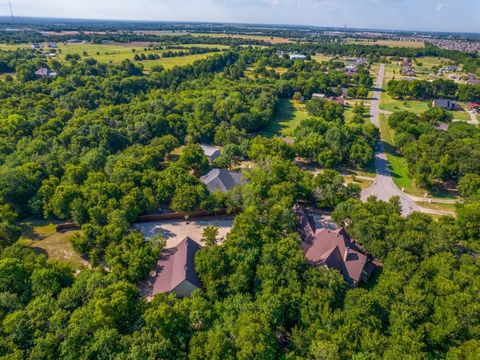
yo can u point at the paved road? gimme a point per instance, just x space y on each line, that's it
384 188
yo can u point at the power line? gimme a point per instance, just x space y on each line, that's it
11 12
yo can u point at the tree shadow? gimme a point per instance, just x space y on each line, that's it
284 112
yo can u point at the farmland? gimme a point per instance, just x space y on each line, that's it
391 43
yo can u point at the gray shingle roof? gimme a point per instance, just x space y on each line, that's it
222 180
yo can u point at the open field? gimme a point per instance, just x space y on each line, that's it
41 236
390 43
321 57
287 117
115 53
174 231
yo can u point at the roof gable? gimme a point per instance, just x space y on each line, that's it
175 266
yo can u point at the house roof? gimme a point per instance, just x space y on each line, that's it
45 72
175 266
222 180
332 248
210 150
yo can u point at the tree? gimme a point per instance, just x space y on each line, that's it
194 159
210 234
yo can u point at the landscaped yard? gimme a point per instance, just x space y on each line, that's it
42 236
288 115
387 103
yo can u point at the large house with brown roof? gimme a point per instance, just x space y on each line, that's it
333 249
176 270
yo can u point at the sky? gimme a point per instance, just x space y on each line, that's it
429 15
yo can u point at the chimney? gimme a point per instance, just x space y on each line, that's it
345 256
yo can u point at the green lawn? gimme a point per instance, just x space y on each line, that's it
438 206
388 103
288 115
398 165
41 236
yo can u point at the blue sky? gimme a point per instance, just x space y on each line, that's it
435 15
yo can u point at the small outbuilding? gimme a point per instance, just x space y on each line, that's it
211 152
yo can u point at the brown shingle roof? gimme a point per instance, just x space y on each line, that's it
332 248
175 266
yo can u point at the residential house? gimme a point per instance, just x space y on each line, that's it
222 180
297 57
36 46
175 271
407 71
339 100
45 73
473 82
351 69
52 45
211 152
333 249
445 104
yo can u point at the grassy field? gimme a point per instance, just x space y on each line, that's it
41 236
287 117
438 206
391 43
388 103
321 57
115 53
363 183
349 114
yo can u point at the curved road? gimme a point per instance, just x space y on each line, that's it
384 188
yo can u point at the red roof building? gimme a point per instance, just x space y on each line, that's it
176 270
333 249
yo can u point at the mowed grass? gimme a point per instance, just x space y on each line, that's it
398 164
42 236
288 115
387 103
438 206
